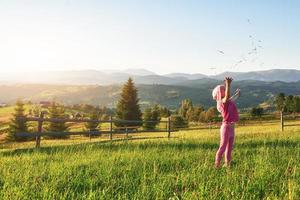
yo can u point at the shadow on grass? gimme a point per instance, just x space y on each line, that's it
166 144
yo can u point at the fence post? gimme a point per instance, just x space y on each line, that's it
169 127
126 132
40 128
282 121
110 127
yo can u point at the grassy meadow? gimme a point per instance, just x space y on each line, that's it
265 166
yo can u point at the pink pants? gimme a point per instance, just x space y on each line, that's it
226 143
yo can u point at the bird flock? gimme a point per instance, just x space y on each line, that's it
251 55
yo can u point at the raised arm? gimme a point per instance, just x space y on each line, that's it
228 81
236 95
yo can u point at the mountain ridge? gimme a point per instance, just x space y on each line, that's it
141 76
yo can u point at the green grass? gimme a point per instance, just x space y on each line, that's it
4 111
266 166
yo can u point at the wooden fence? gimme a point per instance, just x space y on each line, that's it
117 130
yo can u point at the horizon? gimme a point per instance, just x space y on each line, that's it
141 76
111 71
163 37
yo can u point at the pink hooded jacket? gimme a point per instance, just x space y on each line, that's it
228 110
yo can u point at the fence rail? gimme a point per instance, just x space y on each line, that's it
38 119
112 131
168 128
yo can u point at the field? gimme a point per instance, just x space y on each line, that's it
266 166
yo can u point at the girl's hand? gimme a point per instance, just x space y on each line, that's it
228 80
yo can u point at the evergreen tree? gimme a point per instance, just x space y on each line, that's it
147 117
151 115
211 114
56 111
164 112
297 103
36 110
202 116
17 125
185 108
178 122
189 114
196 113
128 107
92 126
290 104
256 112
280 102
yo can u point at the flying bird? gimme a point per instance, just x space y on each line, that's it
222 52
239 62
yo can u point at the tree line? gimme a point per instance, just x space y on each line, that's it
288 104
282 103
128 108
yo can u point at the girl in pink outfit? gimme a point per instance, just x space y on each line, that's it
226 106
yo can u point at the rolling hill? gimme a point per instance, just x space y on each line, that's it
199 91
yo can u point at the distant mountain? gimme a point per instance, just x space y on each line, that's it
286 75
199 91
157 79
139 72
186 76
141 76
130 71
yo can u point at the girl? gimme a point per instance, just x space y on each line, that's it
226 106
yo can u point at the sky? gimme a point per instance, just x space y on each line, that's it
188 36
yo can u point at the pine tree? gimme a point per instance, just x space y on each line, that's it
128 107
94 115
256 112
147 117
290 104
196 113
211 114
297 103
178 122
17 125
165 112
152 115
186 108
56 111
280 102
202 116
156 113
